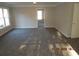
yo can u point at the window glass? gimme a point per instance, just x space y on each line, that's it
7 21
5 11
6 17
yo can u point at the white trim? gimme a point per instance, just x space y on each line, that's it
68 36
49 27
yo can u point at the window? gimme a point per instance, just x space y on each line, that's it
39 15
4 18
1 19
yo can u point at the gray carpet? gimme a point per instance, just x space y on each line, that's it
31 42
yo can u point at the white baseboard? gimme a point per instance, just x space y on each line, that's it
74 36
26 27
48 27
67 36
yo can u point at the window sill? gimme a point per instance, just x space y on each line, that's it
4 27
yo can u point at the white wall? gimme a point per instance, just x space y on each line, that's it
64 16
49 16
25 17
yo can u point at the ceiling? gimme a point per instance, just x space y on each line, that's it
23 4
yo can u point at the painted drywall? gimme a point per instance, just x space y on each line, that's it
49 16
24 17
64 16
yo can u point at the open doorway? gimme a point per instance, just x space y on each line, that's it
40 18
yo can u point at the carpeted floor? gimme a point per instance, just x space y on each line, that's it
33 42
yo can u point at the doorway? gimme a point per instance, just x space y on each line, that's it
40 18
